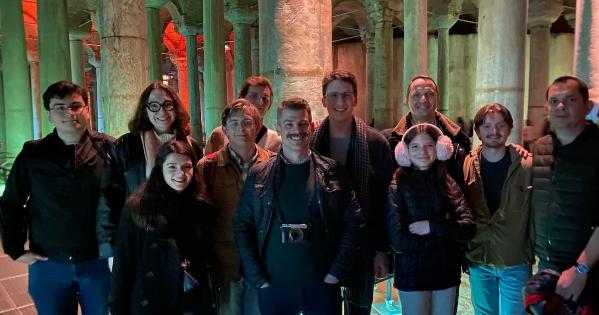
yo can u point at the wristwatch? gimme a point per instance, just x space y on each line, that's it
582 268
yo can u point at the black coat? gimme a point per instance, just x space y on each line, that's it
341 214
433 261
147 274
51 198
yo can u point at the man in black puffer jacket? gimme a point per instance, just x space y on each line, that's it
297 223
565 196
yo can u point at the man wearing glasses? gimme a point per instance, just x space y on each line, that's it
222 175
50 200
366 157
258 91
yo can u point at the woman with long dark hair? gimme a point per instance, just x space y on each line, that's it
427 217
161 248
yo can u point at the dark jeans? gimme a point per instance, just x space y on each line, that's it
319 299
56 288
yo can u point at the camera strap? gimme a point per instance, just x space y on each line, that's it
310 190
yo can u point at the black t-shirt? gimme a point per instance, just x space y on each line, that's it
296 265
494 175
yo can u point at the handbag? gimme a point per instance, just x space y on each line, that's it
189 282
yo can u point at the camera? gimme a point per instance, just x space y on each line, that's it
294 233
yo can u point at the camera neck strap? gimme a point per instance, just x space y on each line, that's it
310 190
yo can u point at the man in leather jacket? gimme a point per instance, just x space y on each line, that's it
297 223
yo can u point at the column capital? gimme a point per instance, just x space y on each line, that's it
187 29
240 15
444 21
571 19
544 12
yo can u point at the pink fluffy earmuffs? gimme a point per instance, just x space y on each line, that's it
444 147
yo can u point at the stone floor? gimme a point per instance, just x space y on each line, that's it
14 299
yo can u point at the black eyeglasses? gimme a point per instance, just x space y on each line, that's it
155 106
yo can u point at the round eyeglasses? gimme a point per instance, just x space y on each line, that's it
155 106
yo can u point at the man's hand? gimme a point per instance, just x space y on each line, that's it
521 150
571 283
330 279
30 257
381 265
265 285
420 227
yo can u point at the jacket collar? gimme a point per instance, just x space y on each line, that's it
448 127
473 171
223 157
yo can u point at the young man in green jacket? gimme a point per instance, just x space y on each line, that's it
497 188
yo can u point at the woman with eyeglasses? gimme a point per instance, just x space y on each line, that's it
159 117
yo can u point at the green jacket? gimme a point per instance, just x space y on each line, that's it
221 182
504 238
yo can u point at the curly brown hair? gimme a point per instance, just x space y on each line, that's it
140 122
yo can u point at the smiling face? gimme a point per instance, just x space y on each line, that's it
422 151
241 128
565 106
422 100
494 130
340 100
68 114
261 97
162 120
177 171
294 128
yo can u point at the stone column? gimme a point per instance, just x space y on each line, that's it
18 114
77 61
215 90
500 58
37 108
368 40
443 24
54 51
542 13
180 61
124 60
2 115
242 24
154 28
295 50
195 111
94 60
415 60
382 89
255 51
586 46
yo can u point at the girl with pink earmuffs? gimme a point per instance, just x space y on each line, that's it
427 219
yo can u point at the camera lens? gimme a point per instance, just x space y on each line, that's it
295 235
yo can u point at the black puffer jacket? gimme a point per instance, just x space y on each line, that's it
147 273
428 262
342 217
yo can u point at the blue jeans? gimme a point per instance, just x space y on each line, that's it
238 298
56 288
498 290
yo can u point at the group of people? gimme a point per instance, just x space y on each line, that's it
304 219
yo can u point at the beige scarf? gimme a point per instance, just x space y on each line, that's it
151 142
